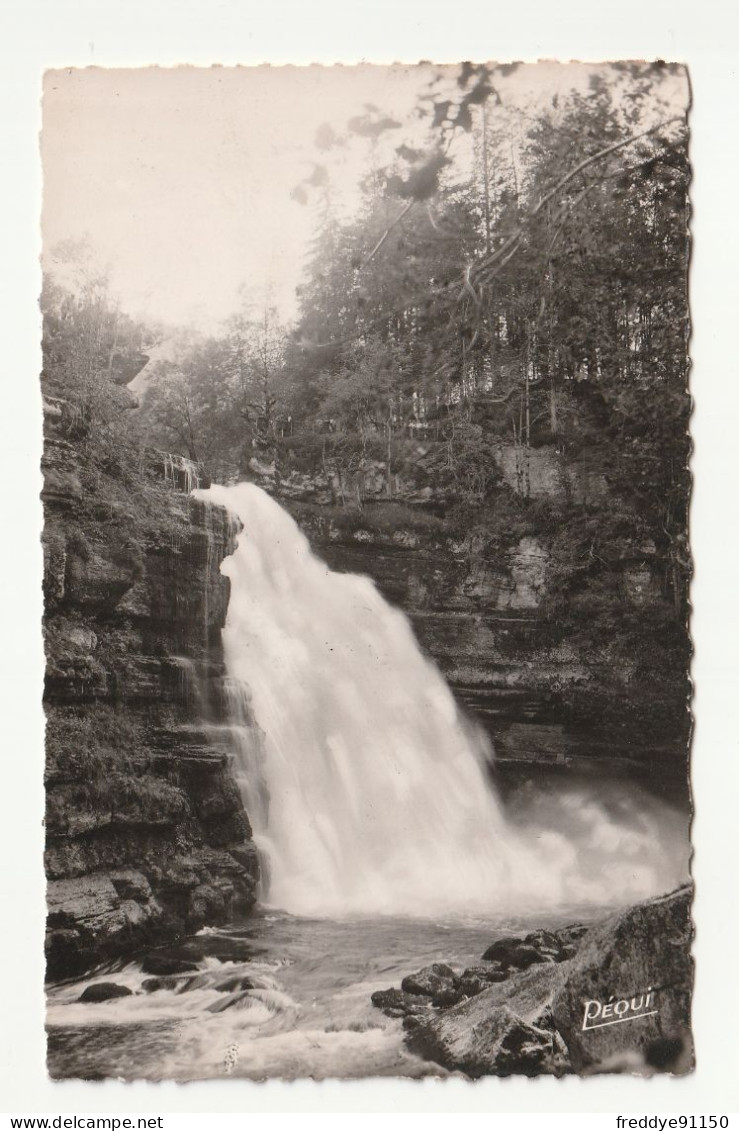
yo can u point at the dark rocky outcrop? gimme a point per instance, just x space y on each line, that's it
172 982
147 838
517 1015
539 946
104 991
503 1030
398 1003
167 964
430 981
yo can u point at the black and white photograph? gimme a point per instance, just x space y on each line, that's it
366 571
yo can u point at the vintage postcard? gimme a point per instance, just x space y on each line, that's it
366 571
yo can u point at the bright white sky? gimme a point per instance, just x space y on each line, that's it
181 177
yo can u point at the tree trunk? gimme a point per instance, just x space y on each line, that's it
486 178
551 359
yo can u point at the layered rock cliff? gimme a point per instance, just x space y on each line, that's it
146 833
558 676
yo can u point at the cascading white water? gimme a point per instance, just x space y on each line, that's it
378 797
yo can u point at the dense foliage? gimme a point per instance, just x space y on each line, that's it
538 303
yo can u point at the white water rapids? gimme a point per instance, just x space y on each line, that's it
369 793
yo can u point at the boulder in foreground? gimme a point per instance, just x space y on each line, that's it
505 1029
621 1004
636 958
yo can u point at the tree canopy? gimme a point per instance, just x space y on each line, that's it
512 280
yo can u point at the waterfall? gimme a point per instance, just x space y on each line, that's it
372 793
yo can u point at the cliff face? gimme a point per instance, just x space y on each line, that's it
146 832
535 1006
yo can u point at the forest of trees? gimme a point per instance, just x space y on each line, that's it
518 279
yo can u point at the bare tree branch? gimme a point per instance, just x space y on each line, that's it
387 232
482 268
487 267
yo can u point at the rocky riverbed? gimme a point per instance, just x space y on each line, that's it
611 996
279 996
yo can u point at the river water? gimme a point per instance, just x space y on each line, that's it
309 1013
